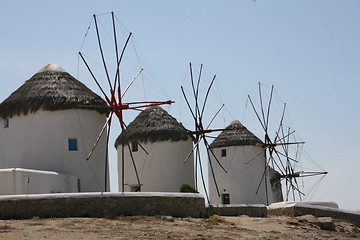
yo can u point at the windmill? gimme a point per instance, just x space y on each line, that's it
114 97
201 132
281 157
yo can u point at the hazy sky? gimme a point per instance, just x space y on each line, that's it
308 49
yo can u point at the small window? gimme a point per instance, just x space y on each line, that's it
225 198
223 152
6 122
73 145
135 188
135 146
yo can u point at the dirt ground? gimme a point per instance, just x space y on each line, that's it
157 227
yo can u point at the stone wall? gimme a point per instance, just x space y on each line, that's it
251 210
299 209
101 205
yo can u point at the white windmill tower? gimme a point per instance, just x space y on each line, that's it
49 125
241 153
158 146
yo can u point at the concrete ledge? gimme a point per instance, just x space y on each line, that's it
251 210
101 204
302 208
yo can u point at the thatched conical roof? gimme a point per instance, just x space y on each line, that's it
235 135
153 124
51 89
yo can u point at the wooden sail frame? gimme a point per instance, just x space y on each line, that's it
116 105
199 133
276 156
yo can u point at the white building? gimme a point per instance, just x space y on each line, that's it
242 154
159 145
23 181
51 123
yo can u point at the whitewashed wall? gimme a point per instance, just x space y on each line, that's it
26 181
162 170
40 141
242 178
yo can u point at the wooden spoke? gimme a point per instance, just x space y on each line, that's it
134 165
195 147
257 114
195 91
251 159
187 102
212 153
213 176
107 156
117 76
93 76
202 174
206 96
101 52
269 105
98 138
262 109
131 82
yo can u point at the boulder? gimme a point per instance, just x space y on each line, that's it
309 218
327 223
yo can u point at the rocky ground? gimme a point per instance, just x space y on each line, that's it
142 227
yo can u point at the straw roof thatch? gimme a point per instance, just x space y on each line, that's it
235 135
153 124
51 89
